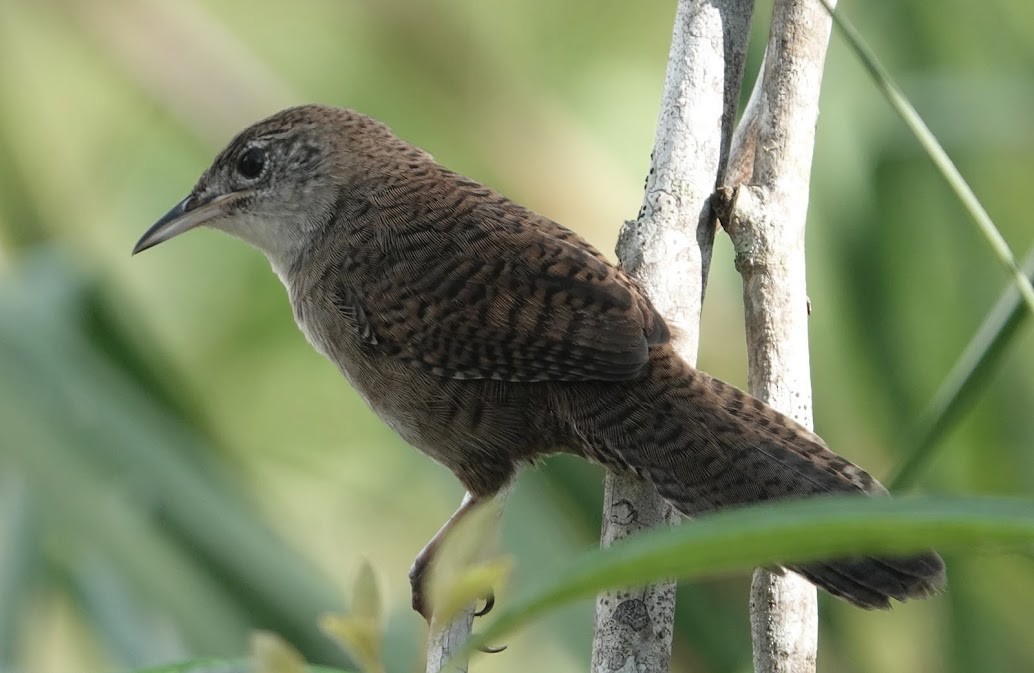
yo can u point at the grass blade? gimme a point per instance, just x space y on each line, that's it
741 539
964 380
937 154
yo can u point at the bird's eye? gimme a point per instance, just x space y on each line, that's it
251 162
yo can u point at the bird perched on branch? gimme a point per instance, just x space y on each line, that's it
487 335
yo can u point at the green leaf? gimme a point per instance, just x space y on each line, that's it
20 561
202 666
468 585
360 637
273 654
466 566
738 540
207 665
71 419
366 594
360 633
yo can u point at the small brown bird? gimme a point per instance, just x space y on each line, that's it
488 336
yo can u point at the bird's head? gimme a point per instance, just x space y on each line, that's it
278 183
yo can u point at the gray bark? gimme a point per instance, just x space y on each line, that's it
445 641
766 224
668 248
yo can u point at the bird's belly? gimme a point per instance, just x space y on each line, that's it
479 429
459 424
388 390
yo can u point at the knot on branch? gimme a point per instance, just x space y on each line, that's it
764 234
630 249
633 614
659 213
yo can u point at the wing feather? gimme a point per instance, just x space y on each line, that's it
469 285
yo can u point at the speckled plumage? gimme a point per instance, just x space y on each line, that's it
487 335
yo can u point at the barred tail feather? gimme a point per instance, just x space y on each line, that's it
707 445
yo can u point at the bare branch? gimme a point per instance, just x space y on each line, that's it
444 642
767 229
745 137
668 248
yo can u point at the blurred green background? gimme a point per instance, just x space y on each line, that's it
177 466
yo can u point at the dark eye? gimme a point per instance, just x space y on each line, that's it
251 162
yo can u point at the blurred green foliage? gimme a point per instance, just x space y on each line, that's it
177 467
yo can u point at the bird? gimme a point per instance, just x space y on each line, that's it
489 336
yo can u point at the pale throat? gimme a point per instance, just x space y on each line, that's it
282 241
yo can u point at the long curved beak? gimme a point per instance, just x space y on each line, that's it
189 213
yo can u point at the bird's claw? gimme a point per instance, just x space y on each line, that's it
489 604
420 604
417 584
492 650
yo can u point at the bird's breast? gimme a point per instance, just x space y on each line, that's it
477 428
407 399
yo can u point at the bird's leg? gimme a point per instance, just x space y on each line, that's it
422 563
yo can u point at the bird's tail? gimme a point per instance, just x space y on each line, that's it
707 445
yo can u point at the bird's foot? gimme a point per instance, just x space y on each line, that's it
419 572
418 585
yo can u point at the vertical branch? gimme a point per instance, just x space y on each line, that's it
668 249
445 641
766 223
